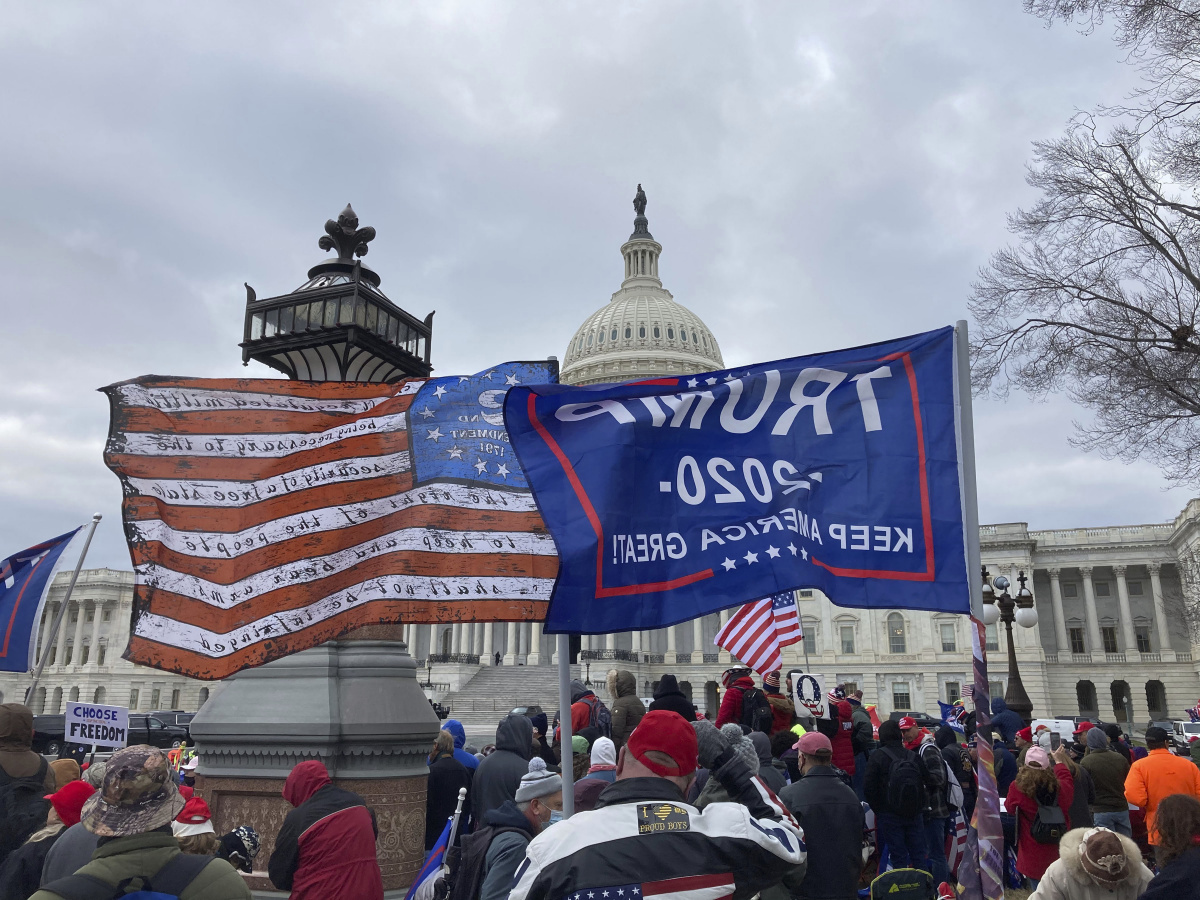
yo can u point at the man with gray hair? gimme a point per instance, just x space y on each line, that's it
1108 769
488 859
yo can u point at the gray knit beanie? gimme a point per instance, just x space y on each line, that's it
538 782
740 743
1096 739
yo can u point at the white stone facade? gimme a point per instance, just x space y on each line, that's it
85 661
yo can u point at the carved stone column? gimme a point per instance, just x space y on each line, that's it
698 641
1093 619
535 645
1060 621
671 656
353 704
1126 614
1160 610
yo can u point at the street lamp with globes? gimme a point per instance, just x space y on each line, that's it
998 606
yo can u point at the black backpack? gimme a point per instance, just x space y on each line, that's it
600 716
465 862
23 808
906 786
756 711
1050 823
166 884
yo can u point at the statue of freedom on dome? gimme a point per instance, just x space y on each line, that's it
639 202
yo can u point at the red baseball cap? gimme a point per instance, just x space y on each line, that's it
195 812
1084 728
907 722
813 742
665 732
68 800
1026 734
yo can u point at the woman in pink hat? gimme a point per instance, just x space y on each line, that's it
1034 797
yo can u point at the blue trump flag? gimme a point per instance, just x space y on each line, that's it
676 497
24 578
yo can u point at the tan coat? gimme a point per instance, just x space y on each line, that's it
1066 879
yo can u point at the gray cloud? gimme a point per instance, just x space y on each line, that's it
818 178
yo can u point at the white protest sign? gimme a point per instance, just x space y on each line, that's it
90 723
808 693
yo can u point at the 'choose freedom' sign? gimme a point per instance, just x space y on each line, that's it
90 723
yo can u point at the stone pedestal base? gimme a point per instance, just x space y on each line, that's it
354 705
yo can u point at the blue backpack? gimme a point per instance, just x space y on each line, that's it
166 884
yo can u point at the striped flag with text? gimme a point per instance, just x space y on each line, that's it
265 516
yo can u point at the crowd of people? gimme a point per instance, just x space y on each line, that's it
758 798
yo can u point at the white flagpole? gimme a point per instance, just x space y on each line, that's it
564 724
966 444
62 610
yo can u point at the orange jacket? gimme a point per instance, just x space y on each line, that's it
1157 775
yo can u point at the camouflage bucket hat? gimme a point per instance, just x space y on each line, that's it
137 795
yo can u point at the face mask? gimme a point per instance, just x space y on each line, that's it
555 817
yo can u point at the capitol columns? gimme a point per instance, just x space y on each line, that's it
672 656
94 652
1160 611
698 640
1093 619
1126 614
77 645
1060 620
512 648
486 658
723 655
535 645
46 623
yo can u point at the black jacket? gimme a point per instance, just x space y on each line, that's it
499 774
641 830
668 696
21 874
446 776
1178 878
879 764
832 818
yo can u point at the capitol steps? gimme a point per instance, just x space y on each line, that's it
488 697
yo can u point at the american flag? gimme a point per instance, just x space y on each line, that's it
757 633
265 516
687 887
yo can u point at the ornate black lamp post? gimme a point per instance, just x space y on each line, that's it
999 606
338 325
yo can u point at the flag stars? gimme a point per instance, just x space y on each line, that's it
462 378
773 552
803 553
455 452
480 466
792 548
729 564
439 391
710 381
693 382
427 413
435 434
604 893
750 557
502 470
512 380
730 377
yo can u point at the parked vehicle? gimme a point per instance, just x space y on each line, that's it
1183 731
48 734
153 731
175 717
529 711
923 719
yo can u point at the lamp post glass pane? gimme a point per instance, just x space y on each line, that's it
256 326
347 312
331 312
360 312
372 316
393 326
300 318
272 328
285 320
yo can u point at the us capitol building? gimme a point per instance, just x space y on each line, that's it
1112 638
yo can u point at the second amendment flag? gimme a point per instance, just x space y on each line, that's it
265 516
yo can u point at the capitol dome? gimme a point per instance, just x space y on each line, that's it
641 332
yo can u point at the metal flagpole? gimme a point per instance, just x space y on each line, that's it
62 611
988 835
564 724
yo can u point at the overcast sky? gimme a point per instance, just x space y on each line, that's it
820 175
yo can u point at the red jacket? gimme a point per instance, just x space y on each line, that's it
843 748
1033 859
731 703
325 849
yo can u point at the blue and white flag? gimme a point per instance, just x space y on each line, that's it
24 580
676 497
432 869
954 715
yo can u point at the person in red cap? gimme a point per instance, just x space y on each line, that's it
1023 741
832 818
739 688
326 847
937 801
193 828
22 871
643 838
